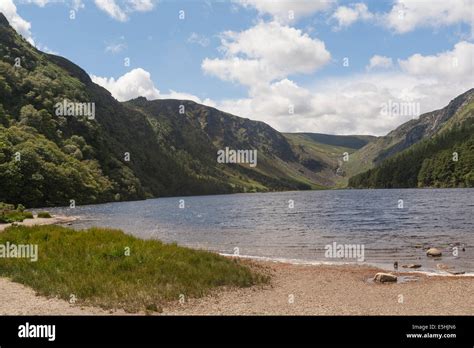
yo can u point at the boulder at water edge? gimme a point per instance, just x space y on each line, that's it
433 252
385 277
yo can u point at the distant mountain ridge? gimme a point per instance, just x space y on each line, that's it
349 141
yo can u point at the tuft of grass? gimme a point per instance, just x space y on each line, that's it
108 268
44 215
15 216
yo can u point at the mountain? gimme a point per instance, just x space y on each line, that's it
49 159
199 132
437 150
324 154
52 151
408 134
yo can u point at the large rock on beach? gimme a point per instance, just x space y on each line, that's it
433 252
385 277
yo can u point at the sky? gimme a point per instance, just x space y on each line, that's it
337 67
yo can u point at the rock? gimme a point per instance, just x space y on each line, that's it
385 277
412 265
433 252
443 266
455 272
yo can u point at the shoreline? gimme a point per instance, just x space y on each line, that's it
36 221
293 290
385 267
298 288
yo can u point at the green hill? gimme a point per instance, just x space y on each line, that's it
445 159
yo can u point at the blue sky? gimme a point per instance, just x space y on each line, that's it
192 58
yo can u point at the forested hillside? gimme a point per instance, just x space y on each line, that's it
49 159
445 160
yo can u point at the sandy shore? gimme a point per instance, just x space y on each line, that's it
56 219
338 290
17 299
293 290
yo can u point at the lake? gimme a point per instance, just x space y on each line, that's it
391 225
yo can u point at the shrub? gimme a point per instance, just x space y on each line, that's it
44 215
14 216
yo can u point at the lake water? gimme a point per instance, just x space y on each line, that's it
391 225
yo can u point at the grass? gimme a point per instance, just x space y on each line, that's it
93 265
44 215
14 216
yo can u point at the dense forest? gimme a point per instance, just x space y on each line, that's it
446 160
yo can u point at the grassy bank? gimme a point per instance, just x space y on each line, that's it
14 216
9 214
110 269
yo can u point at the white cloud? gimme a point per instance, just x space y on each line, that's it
286 11
135 83
22 26
344 105
199 39
381 62
40 3
271 104
116 46
350 105
141 5
46 49
121 12
75 4
406 15
138 83
346 16
250 60
186 96
457 64
112 9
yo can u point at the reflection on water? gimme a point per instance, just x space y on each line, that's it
264 224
